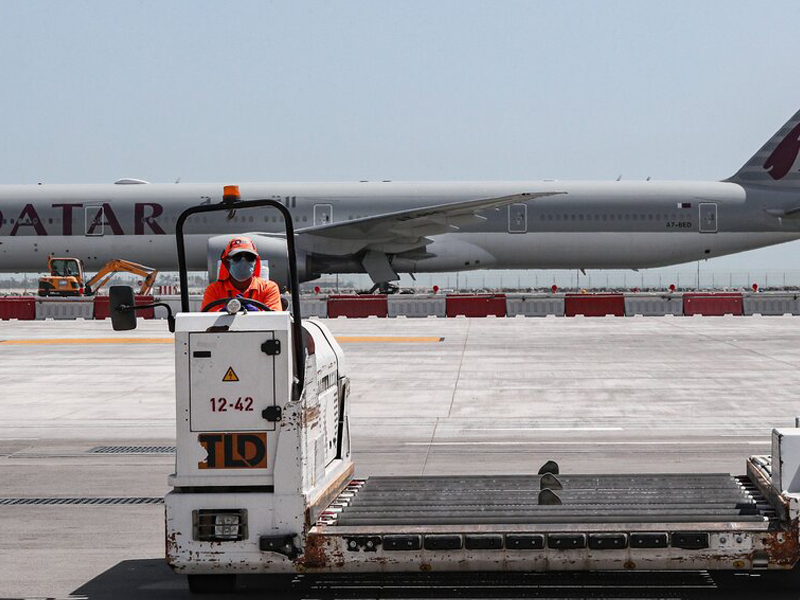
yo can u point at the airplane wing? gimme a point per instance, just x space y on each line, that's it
403 230
784 213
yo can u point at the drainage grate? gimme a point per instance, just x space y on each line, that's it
80 501
133 450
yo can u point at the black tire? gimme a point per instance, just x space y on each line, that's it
212 584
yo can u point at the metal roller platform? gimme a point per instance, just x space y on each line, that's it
662 499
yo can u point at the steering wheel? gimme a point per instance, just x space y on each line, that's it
256 303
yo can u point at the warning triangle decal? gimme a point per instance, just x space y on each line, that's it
230 375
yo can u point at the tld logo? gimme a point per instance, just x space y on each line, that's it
234 450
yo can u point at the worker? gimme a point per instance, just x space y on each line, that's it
239 277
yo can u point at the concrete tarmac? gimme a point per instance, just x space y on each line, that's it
429 396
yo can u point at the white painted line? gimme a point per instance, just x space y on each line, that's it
585 443
468 429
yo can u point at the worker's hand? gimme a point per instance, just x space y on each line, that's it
249 304
221 301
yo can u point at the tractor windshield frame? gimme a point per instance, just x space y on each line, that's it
228 205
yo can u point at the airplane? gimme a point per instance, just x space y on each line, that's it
385 228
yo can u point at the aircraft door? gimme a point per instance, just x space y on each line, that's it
518 218
323 214
95 221
708 217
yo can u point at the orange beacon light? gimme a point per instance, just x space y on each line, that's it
231 193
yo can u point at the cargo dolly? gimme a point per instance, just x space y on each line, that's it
264 478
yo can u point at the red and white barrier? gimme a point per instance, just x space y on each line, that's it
102 307
18 307
476 305
534 305
452 305
358 307
64 309
411 305
653 305
712 304
594 305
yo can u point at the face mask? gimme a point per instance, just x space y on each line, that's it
242 270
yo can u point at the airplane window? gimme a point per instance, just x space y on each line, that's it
541 217
650 217
605 217
572 217
642 216
635 217
305 218
251 219
580 217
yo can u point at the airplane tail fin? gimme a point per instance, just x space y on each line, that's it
776 164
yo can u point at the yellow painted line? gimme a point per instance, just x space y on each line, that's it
77 341
345 339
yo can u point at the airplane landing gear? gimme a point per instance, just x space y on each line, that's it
384 288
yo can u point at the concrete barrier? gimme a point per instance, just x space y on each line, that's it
313 306
712 305
195 302
411 305
594 305
653 305
358 307
64 308
476 305
531 305
771 304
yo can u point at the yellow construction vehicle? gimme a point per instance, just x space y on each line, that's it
67 277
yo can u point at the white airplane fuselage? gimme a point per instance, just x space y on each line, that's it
588 225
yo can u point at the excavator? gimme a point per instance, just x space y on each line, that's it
67 277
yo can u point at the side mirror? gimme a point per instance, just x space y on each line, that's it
121 307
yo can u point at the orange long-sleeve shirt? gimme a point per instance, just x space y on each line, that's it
263 290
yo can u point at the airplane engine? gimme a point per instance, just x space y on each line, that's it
271 249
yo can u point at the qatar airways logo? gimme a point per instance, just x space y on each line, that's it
98 220
782 159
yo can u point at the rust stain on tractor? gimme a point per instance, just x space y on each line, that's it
316 555
311 414
171 543
783 547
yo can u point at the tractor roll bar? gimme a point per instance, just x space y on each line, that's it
227 205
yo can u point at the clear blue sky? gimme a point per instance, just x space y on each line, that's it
266 91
